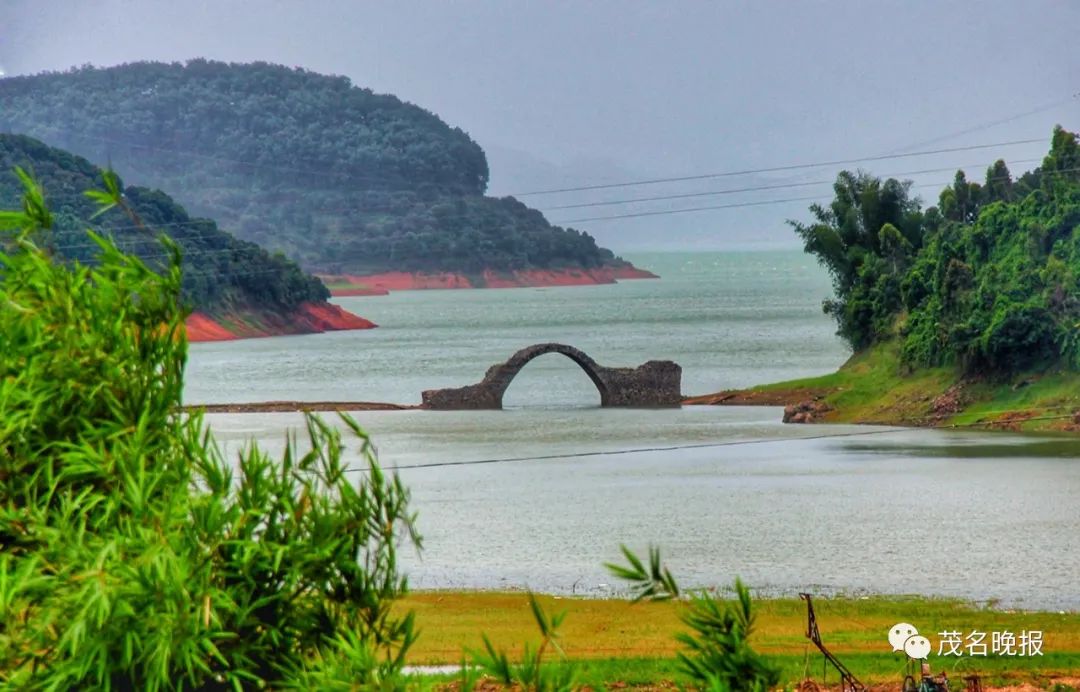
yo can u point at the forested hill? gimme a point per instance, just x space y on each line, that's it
222 274
987 280
337 177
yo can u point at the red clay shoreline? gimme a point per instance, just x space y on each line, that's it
383 283
308 318
314 318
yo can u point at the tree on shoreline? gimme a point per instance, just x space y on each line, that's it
865 238
986 281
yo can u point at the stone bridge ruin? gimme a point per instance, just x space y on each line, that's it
655 384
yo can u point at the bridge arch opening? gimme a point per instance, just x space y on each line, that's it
552 380
652 384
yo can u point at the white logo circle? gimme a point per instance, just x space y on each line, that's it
899 633
917 647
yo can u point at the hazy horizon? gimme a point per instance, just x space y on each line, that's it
564 94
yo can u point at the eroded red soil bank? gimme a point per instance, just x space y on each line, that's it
310 318
380 284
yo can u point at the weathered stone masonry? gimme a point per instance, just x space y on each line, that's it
654 384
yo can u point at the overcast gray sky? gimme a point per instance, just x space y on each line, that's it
573 93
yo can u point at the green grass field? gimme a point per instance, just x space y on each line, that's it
613 641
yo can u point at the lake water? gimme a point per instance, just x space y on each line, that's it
725 491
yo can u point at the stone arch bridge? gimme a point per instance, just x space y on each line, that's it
656 383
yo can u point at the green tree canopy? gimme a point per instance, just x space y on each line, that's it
336 177
988 280
221 273
864 238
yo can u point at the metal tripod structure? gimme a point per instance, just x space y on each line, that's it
848 681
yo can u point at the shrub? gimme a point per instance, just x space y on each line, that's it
1020 336
718 655
134 557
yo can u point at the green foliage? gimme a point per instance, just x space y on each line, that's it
221 273
532 673
655 583
35 213
987 281
866 238
1018 337
134 555
718 654
341 179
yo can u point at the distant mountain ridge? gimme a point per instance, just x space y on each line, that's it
225 279
341 179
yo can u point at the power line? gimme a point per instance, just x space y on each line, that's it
667 212
203 221
381 178
993 123
776 169
707 445
617 452
761 203
193 254
659 198
204 234
759 188
196 253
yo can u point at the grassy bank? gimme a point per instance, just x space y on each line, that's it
613 640
872 387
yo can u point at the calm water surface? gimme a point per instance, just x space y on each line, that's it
875 510
728 319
